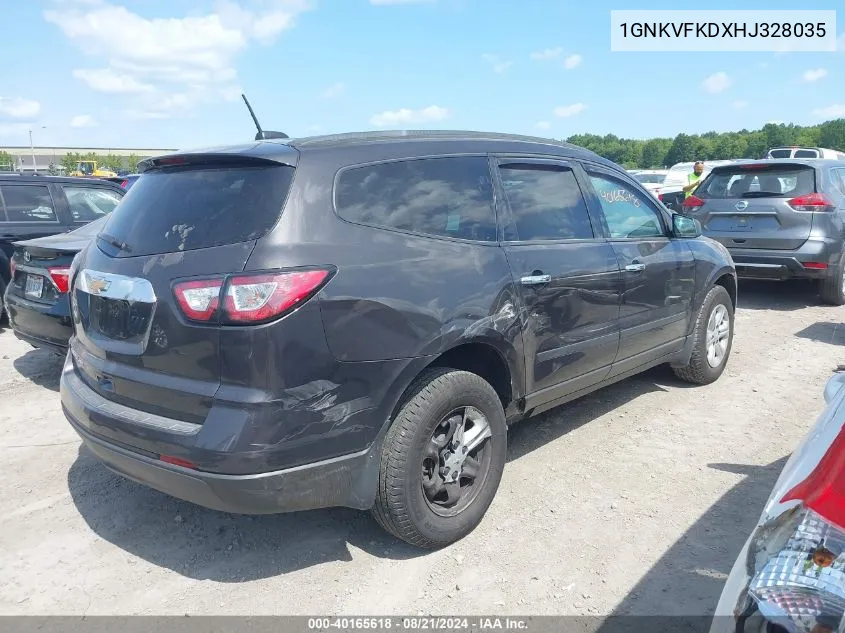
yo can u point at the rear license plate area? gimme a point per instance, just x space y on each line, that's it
119 319
34 286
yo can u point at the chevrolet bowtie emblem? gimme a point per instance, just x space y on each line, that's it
98 286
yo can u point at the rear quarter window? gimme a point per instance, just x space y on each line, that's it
447 197
190 207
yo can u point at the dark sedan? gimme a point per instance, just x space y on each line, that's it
36 298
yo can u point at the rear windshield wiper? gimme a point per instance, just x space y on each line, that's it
113 241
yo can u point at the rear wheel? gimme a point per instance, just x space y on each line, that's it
832 289
712 339
442 459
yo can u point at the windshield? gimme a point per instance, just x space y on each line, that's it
651 178
185 208
776 181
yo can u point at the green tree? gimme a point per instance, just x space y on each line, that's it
832 135
111 161
654 153
70 160
132 162
7 161
682 150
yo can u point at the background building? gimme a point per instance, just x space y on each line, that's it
20 158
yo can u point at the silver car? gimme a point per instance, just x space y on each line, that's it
790 575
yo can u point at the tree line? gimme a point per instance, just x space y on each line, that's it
657 153
71 160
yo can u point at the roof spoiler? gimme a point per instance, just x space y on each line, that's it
262 135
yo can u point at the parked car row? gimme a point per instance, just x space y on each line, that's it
364 333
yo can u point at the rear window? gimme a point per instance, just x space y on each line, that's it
449 196
780 153
772 182
806 153
186 208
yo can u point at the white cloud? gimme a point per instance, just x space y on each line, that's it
335 90
83 120
716 83
178 61
835 111
110 81
14 129
740 105
548 53
573 61
18 108
543 125
404 116
815 75
499 65
569 110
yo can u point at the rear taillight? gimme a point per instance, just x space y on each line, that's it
823 491
198 299
12 268
249 298
259 298
693 203
124 183
812 203
660 197
60 276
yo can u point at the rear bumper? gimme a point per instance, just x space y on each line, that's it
349 480
41 325
777 264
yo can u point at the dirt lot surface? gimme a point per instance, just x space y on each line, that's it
634 500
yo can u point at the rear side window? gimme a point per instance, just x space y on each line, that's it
838 178
806 153
546 203
186 208
90 203
28 203
778 181
449 196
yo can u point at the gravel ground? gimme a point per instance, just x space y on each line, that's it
633 500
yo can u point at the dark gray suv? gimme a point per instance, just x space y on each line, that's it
779 218
355 320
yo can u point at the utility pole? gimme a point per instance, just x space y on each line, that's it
32 149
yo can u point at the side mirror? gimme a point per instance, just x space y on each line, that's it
685 227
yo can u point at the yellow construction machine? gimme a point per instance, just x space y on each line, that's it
90 168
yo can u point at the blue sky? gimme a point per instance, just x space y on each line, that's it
156 73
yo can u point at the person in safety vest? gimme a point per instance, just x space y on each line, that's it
693 178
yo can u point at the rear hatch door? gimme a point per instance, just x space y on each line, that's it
194 217
753 205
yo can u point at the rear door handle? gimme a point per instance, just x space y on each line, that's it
635 268
535 280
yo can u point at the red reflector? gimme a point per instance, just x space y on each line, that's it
124 183
693 203
178 461
59 275
198 299
660 197
263 297
812 202
814 265
823 491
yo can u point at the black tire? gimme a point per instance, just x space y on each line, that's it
699 371
831 289
401 506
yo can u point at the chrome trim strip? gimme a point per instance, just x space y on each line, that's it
112 286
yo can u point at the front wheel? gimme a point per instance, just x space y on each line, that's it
712 339
442 459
